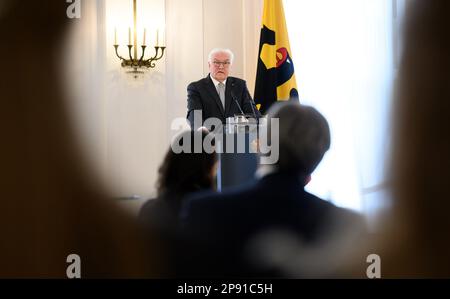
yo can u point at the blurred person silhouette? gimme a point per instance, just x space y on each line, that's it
51 207
274 228
180 174
187 168
416 240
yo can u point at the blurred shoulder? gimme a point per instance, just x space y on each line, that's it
204 199
216 200
333 214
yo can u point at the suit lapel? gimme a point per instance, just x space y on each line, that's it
228 97
213 92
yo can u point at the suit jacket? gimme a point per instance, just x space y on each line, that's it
202 95
226 227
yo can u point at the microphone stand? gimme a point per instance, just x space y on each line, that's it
253 110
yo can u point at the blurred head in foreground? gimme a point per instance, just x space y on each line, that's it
183 171
418 243
51 207
304 137
187 171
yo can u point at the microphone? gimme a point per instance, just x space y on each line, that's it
234 99
253 109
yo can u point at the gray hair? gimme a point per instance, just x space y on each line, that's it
304 136
219 50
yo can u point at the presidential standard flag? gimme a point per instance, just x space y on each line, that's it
275 78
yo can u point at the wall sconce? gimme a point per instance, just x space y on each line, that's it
137 65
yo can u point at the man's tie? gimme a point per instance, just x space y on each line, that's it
221 91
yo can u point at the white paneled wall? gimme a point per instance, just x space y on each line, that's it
185 56
223 28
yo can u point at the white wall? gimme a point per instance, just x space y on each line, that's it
185 59
125 124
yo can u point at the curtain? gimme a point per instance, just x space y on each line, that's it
343 55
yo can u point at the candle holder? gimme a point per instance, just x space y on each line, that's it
137 65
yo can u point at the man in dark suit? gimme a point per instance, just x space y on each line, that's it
274 227
219 95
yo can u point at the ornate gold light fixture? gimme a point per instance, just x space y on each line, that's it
137 65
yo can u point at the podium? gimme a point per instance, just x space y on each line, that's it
238 158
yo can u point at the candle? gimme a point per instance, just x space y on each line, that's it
115 36
129 36
145 32
157 38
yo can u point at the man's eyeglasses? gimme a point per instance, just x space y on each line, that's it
220 63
